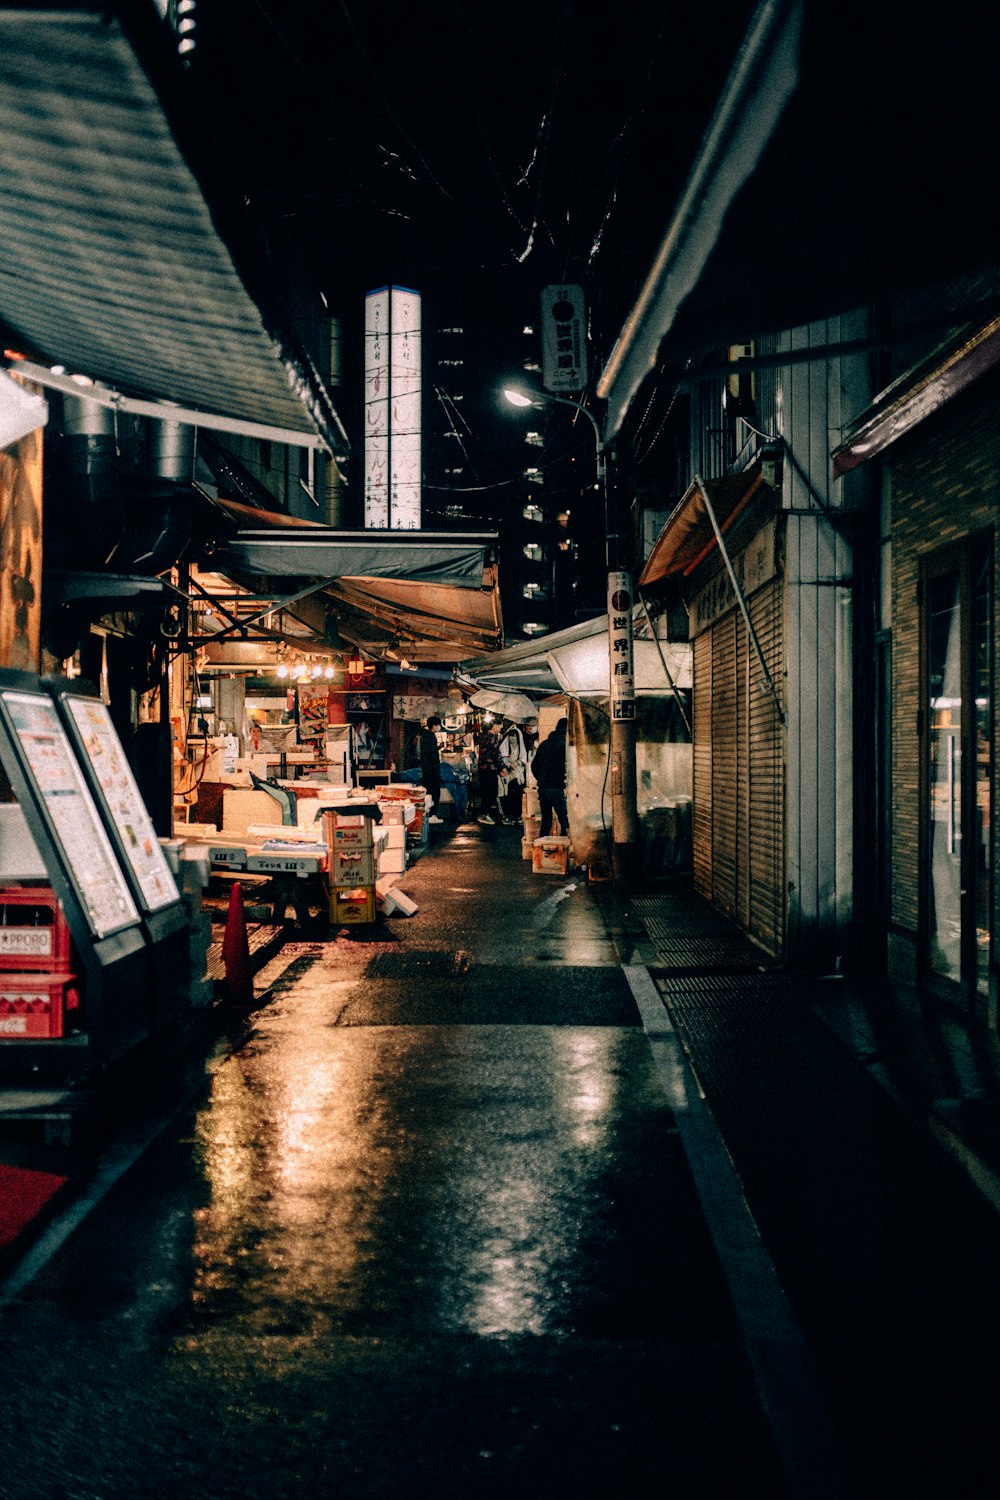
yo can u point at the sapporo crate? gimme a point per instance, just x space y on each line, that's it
33 931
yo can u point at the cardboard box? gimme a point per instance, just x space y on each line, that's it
550 856
350 837
397 813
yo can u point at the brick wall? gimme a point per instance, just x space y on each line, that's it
945 486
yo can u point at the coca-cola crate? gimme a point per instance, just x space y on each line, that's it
36 1005
33 931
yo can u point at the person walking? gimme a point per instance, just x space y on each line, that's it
488 772
429 757
549 770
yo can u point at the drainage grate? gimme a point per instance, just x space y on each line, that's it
772 985
689 924
705 953
420 963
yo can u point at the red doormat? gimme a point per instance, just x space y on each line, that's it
23 1196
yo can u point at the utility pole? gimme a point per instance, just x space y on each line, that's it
621 651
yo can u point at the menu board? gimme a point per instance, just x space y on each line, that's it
99 742
51 768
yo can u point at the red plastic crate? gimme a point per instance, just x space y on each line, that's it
36 1005
33 931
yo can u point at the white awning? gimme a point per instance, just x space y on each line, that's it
576 661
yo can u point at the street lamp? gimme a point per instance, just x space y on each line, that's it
621 669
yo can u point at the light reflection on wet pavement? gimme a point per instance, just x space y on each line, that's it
431 1236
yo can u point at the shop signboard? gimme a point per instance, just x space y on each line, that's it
105 765
42 759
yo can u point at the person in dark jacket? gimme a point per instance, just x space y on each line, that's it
430 764
549 770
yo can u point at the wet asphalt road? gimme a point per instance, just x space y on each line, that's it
424 1229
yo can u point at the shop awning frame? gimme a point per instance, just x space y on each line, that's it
706 511
917 395
435 594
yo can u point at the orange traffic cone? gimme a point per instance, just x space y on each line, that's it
236 950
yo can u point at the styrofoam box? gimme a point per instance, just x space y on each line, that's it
392 861
240 809
550 856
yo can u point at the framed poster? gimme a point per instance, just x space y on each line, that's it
48 767
101 752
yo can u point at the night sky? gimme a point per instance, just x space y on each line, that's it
474 152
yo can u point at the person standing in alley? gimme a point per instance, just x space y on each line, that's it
430 763
488 772
549 770
513 773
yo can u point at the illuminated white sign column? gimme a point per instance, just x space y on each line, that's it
392 409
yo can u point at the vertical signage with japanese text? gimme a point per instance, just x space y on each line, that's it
622 669
564 339
392 409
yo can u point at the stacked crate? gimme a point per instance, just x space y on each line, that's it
351 845
39 993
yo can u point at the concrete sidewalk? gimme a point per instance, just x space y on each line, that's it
887 1246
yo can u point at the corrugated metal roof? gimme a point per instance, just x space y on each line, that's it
110 262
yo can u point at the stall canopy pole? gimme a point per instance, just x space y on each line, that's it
673 686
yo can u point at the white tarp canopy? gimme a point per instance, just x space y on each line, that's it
576 661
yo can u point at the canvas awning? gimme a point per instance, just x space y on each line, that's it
112 264
917 395
430 596
688 535
453 558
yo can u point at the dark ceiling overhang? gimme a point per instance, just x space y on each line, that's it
838 171
127 592
112 265
688 535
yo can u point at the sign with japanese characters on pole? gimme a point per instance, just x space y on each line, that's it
620 647
564 339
